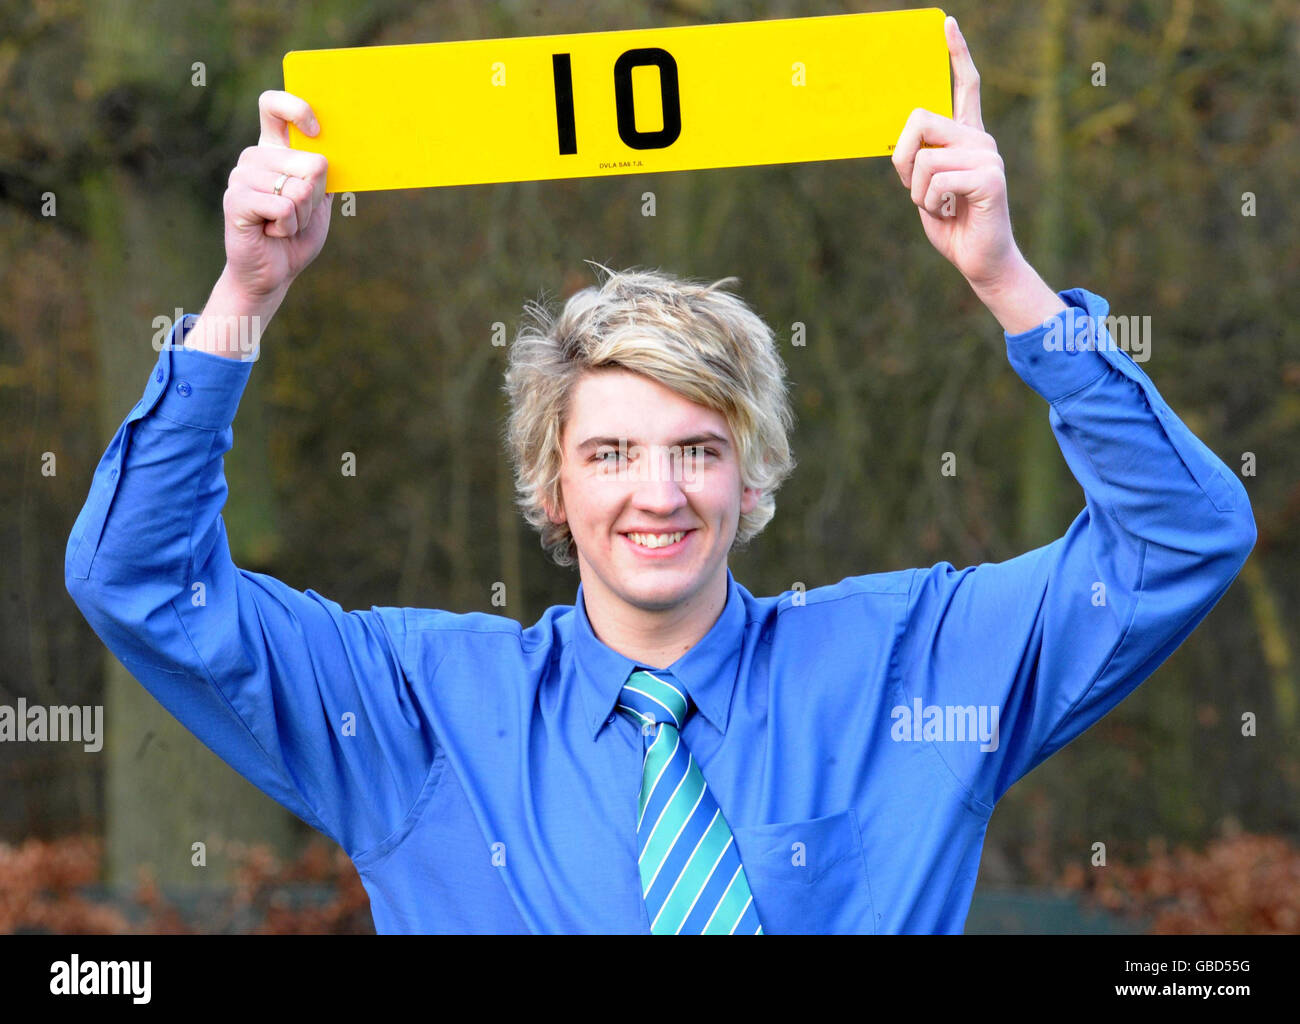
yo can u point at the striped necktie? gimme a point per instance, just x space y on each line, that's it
691 875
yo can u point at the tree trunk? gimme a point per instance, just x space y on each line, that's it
155 247
1041 462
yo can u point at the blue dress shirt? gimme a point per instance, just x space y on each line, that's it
476 771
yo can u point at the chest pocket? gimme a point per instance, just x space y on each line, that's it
808 877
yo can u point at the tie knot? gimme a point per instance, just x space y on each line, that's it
654 697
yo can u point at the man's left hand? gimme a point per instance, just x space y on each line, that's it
958 180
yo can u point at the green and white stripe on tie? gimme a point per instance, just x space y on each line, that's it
691 875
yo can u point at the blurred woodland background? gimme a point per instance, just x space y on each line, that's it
1170 190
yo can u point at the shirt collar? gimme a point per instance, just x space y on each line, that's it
708 670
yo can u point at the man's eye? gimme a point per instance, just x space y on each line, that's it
696 450
600 456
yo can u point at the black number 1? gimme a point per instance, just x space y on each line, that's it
563 74
669 98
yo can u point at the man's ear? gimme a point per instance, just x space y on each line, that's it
749 499
551 515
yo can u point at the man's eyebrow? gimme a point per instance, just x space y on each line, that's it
613 442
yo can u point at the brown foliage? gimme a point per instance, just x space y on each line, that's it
40 883
1238 885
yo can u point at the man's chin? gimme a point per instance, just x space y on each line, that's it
655 595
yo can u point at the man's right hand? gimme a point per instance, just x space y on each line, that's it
270 238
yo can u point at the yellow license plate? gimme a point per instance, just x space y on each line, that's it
595 103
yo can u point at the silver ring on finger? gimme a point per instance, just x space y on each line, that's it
280 183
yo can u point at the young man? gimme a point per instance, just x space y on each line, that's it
669 754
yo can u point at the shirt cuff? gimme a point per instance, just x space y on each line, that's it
193 388
1070 350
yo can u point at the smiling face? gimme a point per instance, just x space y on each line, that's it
677 469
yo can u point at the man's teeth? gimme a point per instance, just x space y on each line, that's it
652 540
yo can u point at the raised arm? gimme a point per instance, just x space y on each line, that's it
309 703
1053 639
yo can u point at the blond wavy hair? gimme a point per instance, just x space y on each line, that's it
700 341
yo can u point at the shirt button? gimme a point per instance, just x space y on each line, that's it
183 388
609 720
158 376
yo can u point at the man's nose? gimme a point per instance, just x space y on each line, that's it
658 480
